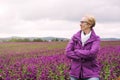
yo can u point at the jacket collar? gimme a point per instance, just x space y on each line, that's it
77 36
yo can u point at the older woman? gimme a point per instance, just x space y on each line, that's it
82 50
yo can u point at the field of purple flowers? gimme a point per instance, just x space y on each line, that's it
47 61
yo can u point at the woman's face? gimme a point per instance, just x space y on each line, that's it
84 24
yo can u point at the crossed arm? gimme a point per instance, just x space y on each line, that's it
78 53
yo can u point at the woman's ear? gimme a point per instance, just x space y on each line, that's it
89 25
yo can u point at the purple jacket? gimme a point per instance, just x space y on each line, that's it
84 64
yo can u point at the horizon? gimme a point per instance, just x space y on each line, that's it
49 37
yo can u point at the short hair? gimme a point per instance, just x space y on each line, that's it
91 20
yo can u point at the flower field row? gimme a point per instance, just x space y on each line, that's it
47 61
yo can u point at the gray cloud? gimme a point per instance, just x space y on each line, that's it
104 11
35 16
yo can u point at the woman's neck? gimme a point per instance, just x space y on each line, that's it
87 31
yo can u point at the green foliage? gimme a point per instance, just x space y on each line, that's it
37 40
19 40
56 39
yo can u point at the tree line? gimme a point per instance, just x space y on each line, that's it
31 40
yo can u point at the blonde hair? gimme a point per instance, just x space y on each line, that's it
91 20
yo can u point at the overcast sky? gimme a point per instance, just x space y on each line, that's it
57 18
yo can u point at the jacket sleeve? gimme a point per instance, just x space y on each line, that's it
70 50
89 53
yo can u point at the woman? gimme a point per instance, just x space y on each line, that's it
82 50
